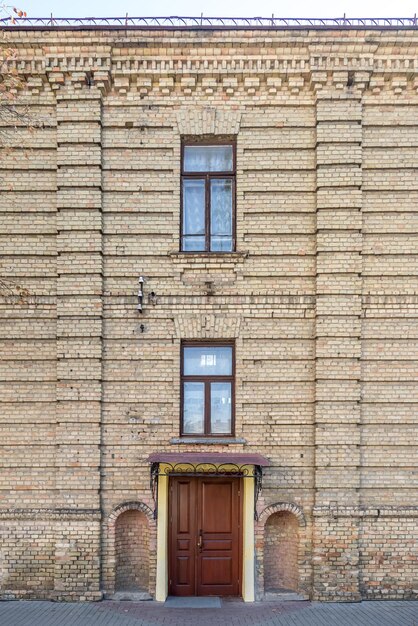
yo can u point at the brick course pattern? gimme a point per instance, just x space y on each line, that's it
321 296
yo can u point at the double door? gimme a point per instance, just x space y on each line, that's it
205 536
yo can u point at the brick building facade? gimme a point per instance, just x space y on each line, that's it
311 294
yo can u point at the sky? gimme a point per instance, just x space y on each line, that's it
220 8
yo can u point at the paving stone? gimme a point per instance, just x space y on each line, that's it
236 613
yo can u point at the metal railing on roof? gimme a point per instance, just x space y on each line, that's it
205 23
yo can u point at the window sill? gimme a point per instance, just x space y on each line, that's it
209 440
208 256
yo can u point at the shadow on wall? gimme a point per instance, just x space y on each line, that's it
281 545
132 552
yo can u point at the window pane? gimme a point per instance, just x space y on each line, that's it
220 408
194 408
192 243
208 159
208 361
221 244
221 215
193 207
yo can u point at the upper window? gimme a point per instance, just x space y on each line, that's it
207 391
208 198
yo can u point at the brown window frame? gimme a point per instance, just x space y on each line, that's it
208 176
207 380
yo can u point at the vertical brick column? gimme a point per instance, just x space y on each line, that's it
79 335
338 341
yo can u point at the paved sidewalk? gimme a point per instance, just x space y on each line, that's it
231 613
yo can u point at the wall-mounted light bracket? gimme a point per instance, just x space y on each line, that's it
140 293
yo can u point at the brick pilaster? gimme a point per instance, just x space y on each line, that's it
338 340
79 313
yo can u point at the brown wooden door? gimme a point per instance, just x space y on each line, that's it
205 536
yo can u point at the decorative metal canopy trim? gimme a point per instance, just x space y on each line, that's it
204 23
205 468
207 458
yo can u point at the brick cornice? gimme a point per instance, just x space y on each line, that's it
251 68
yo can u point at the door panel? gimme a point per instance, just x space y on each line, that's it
183 512
216 571
219 522
205 536
183 542
217 519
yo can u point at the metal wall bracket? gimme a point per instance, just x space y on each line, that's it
140 293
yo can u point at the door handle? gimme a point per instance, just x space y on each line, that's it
200 541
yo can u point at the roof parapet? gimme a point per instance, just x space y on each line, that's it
210 23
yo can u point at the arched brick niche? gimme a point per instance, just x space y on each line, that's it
131 543
132 551
281 547
280 560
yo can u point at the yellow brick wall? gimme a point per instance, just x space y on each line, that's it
321 296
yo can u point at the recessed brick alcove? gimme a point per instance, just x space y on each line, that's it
132 552
281 552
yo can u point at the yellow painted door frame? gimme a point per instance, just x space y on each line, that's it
248 565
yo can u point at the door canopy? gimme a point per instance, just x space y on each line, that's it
205 463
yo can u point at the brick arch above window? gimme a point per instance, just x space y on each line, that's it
195 121
290 507
207 326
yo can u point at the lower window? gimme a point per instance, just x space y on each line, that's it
207 389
